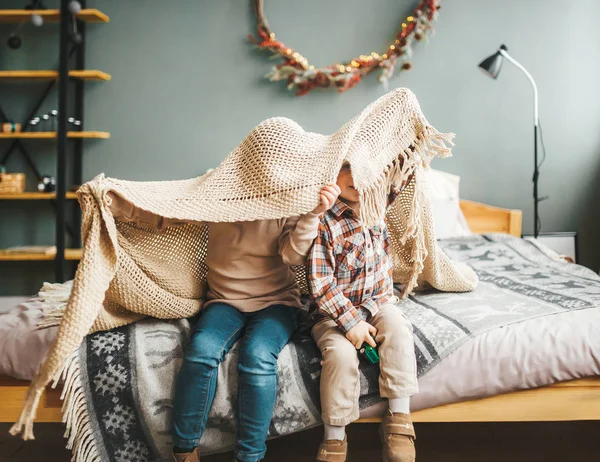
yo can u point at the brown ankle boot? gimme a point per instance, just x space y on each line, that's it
333 451
398 436
190 457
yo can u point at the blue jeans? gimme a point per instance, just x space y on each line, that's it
264 333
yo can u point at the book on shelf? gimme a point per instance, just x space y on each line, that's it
32 249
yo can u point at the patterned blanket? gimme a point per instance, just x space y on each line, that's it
127 375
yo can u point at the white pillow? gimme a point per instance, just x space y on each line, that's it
441 189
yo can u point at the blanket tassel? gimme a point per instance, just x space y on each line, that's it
25 422
54 298
79 431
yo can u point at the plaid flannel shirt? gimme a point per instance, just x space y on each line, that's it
349 268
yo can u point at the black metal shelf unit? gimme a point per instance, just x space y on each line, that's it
70 52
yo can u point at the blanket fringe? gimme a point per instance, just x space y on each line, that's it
79 432
25 422
429 144
438 144
75 416
414 231
54 298
51 317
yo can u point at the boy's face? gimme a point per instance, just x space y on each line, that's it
346 184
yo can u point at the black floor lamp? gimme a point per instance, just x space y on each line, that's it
492 66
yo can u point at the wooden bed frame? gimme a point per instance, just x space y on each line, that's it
564 401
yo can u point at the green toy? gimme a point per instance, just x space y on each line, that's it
369 353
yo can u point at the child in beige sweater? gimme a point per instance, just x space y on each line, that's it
253 297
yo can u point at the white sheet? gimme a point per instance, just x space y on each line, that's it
22 346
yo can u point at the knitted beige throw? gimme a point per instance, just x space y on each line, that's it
150 260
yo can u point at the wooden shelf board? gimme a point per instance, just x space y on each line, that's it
52 135
86 15
70 254
35 196
91 74
73 254
93 135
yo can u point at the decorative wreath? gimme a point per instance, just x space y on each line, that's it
303 77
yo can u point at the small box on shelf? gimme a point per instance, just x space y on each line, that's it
11 127
11 183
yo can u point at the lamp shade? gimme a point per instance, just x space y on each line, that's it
493 64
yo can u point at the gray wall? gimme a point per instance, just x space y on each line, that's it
187 87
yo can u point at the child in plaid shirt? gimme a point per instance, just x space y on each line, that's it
350 277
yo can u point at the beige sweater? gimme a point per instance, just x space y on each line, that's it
248 262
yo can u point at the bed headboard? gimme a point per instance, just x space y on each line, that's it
487 219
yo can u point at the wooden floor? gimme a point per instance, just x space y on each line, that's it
465 442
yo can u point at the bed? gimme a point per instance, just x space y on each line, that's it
557 400
571 400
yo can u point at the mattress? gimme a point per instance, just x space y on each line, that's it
526 354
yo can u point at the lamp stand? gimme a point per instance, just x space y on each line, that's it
536 171
536 199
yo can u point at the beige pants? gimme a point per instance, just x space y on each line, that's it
340 378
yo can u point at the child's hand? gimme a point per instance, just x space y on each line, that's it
361 333
329 195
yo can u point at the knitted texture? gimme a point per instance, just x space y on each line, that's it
151 260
